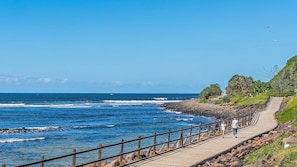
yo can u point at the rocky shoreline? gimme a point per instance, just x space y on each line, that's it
193 107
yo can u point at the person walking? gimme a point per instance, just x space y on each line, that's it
223 127
234 127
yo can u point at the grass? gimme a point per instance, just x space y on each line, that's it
263 152
242 101
274 154
289 113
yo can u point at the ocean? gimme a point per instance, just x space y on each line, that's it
32 125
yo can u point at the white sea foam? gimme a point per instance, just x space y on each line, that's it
12 105
80 127
114 103
22 105
110 126
184 119
29 129
171 111
12 140
95 126
44 128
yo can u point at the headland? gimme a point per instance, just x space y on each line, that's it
219 111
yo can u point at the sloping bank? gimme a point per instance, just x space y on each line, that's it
193 107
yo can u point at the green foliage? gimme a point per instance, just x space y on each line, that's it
263 152
220 101
243 85
261 87
240 84
274 154
289 113
211 91
243 100
285 82
226 99
202 100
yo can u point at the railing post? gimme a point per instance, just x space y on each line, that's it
99 155
139 146
74 158
41 161
207 129
155 142
199 132
122 151
241 122
168 139
213 130
181 137
191 129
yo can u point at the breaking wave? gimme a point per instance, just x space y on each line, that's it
95 126
12 140
28 129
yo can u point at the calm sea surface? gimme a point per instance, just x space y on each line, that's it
32 125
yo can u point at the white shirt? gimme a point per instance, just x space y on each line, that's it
235 123
223 126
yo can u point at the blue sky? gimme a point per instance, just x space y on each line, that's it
141 46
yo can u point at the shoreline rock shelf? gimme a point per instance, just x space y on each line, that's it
193 107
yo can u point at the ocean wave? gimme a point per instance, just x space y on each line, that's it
78 104
29 129
8 105
94 126
171 111
23 105
12 140
184 119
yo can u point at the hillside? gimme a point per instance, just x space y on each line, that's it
285 81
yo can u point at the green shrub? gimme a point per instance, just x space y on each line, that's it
212 91
226 99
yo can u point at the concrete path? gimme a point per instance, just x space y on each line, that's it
193 154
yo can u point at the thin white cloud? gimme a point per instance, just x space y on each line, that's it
45 80
117 83
149 83
6 79
65 80
10 79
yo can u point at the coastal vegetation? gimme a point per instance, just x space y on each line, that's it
275 154
213 90
244 94
244 91
289 113
285 81
282 84
244 101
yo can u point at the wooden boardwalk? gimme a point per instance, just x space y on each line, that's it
196 153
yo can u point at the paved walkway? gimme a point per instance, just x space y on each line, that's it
193 154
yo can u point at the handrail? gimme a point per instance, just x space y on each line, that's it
174 141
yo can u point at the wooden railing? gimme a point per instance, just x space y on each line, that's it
144 147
